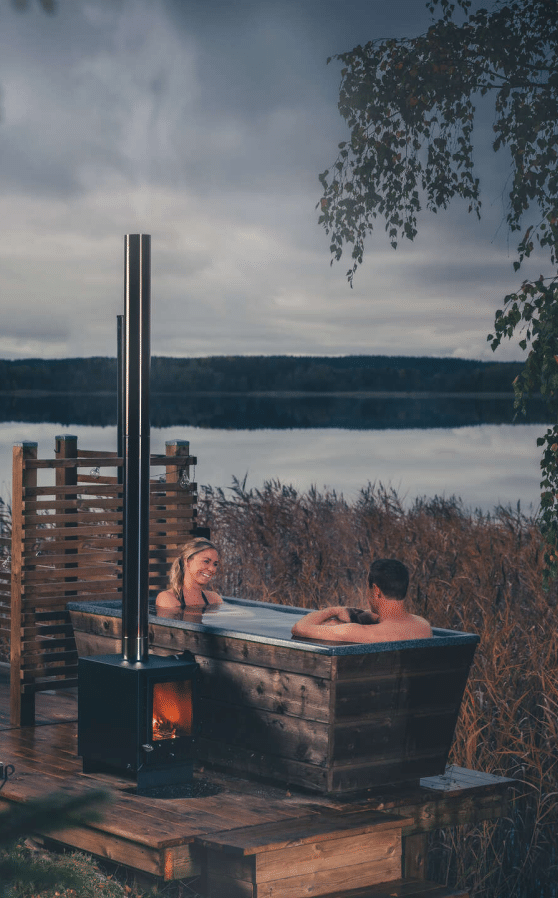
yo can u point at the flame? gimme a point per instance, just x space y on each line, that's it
172 709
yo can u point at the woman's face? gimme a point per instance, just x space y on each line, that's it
203 566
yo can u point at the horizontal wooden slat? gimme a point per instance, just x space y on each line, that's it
48 630
90 595
160 544
88 542
40 685
30 492
172 488
59 533
100 453
172 508
31 661
65 521
94 478
43 672
63 534
61 574
90 490
83 504
94 461
174 461
48 560
35 646
51 615
100 460
81 575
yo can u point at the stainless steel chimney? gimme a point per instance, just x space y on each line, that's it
136 712
136 448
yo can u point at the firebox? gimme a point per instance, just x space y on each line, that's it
138 718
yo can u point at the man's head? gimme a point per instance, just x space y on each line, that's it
390 576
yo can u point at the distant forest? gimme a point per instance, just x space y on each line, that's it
245 374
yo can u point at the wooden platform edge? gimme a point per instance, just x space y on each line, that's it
316 827
172 863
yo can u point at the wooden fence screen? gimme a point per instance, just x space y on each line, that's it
66 545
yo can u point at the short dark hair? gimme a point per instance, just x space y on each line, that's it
390 576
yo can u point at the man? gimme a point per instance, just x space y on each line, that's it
388 580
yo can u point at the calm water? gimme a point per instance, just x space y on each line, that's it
485 464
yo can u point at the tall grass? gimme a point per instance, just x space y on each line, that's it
476 572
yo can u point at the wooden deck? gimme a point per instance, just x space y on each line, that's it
239 820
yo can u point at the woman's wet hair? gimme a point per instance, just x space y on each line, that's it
189 549
390 576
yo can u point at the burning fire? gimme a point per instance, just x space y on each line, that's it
172 709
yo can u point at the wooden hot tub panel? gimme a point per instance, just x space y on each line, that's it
332 719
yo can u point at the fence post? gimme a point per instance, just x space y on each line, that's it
181 449
177 449
22 705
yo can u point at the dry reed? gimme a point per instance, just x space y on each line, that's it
469 571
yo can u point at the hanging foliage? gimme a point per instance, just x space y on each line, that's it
410 105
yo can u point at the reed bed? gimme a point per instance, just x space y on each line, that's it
477 572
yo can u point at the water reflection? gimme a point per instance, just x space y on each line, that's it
252 412
485 465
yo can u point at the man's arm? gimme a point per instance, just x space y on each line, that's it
327 617
333 624
309 627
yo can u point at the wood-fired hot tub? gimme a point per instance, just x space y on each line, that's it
330 718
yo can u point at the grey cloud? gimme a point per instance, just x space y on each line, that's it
206 124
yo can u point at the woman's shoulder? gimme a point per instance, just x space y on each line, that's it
212 597
167 599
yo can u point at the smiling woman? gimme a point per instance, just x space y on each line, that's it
193 570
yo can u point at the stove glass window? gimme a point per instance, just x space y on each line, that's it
172 709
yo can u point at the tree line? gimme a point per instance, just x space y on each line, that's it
245 374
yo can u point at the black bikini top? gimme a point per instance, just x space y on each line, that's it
183 603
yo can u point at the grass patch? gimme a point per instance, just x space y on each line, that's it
71 874
42 874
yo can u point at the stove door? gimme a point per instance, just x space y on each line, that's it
170 719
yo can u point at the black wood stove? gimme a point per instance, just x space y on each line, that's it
136 711
137 718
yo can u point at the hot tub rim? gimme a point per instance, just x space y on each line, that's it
441 637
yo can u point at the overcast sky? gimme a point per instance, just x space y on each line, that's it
205 123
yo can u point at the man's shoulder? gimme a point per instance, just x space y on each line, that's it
422 624
414 627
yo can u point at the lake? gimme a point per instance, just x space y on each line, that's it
421 446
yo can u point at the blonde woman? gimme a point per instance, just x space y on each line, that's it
190 576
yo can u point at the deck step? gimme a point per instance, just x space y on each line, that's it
313 855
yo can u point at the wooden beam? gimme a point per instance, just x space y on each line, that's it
22 708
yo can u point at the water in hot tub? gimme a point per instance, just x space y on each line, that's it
273 621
